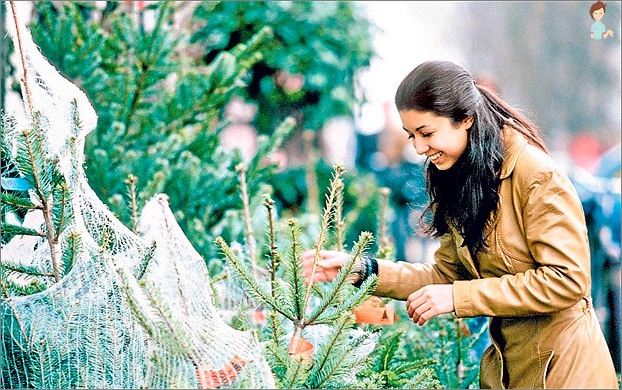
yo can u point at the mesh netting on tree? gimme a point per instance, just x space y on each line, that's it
134 310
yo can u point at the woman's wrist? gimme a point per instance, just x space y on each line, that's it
355 274
365 267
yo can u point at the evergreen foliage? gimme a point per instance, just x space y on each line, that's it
444 353
324 43
297 309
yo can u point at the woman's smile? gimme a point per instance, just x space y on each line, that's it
435 156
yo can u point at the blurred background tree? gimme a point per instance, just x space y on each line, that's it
309 67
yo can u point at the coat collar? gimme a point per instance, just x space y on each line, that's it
515 142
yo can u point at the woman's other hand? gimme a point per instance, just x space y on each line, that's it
329 264
430 301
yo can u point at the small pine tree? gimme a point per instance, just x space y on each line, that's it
298 310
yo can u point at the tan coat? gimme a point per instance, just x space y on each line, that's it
534 282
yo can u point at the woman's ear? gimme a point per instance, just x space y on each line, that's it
467 122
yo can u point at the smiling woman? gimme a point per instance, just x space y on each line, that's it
436 137
513 237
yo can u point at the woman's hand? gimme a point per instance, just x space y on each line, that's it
329 264
430 301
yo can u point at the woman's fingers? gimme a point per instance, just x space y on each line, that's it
328 265
430 301
416 307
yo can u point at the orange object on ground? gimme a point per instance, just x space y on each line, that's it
212 379
300 347
374 312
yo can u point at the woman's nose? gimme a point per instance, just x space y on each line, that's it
420 145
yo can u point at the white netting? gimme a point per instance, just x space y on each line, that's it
136 310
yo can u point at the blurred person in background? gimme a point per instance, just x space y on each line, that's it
513 238
600 191
240 133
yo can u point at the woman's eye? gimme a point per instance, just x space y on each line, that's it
410 136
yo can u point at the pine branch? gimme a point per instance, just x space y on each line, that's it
155 47
11 230
250 239
156 319
222 74
176 331
446 369
71 251
273 254
144 65
31 150
17 282
277 354
397 371
300 323
61 209
356 296
145 260
32 165
327 218
131 183
329 360
40 355
297 285
388 349
106 237
25 269
341 282
296 375
340 224
424 379
18 203
226 67
275 329
248 279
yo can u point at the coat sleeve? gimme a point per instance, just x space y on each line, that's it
398 280
556 234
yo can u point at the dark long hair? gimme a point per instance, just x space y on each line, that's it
466 196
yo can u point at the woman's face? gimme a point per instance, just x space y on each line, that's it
435 137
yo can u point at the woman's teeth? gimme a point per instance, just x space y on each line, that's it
435 156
